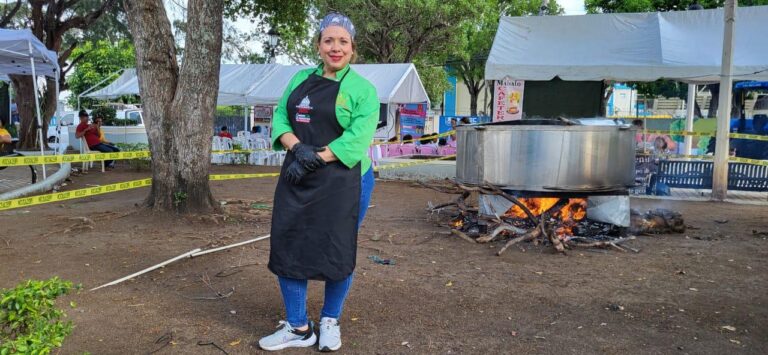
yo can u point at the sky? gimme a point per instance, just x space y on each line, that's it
572 7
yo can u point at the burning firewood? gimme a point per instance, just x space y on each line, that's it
559 222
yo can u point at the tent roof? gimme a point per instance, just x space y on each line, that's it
684 45
15 53
254 84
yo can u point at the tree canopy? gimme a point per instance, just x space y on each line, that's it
99 60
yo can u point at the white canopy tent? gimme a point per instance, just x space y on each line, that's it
697 47
21 53
264 84
684 46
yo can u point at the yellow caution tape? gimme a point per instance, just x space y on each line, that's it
234 151
756 137
68 195
71 158
415 139
749 161
419 162
710 157
241 176
98 190
652 117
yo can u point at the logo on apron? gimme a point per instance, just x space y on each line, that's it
302 111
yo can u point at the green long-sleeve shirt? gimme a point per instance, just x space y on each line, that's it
357 110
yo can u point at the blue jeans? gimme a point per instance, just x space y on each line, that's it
295 291
105 148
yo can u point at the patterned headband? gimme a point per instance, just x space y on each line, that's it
337 19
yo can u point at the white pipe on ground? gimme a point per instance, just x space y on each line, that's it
182 256
230 246
41 186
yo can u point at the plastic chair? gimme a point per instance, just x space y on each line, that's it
427 150
446 150
85 150
408 149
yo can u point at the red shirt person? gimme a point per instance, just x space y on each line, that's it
224 133
84 129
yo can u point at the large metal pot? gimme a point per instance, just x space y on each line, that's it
546 156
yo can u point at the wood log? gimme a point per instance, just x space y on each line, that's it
500 229
462 235
532 234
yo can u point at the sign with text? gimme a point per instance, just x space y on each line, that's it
508 100
412 117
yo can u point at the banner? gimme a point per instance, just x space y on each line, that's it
412 118
508 100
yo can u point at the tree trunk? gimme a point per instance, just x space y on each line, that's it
179 103
714 90
25 101
473 95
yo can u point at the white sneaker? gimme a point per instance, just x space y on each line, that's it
330 334
288 337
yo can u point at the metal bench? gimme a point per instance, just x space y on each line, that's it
698 175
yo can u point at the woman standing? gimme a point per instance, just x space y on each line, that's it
326 120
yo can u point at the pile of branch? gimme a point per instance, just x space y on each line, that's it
543 230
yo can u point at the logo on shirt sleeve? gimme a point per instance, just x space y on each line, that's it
303 111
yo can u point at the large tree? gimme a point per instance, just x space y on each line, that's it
55 24
180 100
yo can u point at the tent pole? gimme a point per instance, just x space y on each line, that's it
722 147
689 118
37 106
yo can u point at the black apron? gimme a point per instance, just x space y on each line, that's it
314 223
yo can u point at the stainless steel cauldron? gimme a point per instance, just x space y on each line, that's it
546 156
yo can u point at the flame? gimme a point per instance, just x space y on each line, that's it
457 223
536 205
574 211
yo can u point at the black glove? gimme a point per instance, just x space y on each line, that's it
295 172
307 156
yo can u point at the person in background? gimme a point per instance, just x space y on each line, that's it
326 120
256 130
224 133
14 112
638 124
98 121
91 134
5 136
407 139
393 139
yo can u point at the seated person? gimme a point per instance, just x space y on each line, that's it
91 134
98 121
407 138
393 139
5 136
442 142
224 133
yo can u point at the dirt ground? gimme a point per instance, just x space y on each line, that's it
442 295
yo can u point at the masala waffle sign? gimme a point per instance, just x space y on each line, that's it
508 100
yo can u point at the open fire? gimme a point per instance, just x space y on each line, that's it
557 221
572 211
